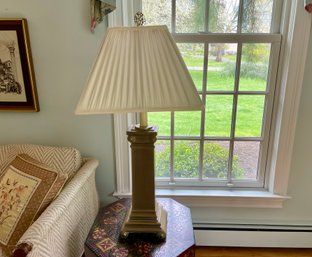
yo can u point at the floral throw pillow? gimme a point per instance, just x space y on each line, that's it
26 188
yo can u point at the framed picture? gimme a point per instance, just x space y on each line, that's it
17 79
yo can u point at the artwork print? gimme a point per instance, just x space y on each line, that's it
17 80
11 77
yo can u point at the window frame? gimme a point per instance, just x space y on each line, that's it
296 23
239 39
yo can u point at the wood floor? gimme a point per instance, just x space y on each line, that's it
251 252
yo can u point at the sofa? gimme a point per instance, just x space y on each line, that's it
61 228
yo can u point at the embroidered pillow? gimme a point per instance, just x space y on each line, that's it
26 188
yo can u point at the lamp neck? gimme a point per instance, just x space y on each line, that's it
143 119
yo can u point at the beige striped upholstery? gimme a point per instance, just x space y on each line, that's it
62 228
2 253
67 159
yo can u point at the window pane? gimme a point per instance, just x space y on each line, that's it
254 67
162 158
215 159
186 159
193 56
221 67
223 16
189 16
157 12
245 160
162 120
218 115
187 123
257 16
250 110
220 151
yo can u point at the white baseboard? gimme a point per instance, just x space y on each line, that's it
254 236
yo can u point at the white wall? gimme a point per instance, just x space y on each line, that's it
63 51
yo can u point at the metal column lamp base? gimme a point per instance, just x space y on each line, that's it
145 215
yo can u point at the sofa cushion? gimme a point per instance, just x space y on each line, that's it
26 188
67 159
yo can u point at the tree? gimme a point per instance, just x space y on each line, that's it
254 22
223 16
256 53
222 19
256 13
157 12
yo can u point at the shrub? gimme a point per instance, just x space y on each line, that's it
248 70
215 161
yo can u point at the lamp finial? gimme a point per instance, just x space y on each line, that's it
139 19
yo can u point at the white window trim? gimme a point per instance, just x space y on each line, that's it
296 33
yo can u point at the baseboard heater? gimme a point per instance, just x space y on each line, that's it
252 235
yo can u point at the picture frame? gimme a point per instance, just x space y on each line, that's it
17 78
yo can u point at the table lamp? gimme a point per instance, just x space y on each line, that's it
140 69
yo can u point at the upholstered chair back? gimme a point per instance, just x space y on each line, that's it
65 159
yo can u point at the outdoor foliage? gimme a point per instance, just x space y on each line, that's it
247 70
215 161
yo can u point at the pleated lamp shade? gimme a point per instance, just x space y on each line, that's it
138 69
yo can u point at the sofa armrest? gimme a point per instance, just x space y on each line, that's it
63 227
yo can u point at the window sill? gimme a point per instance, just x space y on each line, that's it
224 198
221 198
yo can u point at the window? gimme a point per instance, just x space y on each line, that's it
293 23
231 49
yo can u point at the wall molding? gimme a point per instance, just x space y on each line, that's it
241 235
296 33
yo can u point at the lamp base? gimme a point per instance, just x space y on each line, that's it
146 221
145 216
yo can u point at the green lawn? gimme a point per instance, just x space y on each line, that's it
218 107
197 61
192 60
218 118
216 81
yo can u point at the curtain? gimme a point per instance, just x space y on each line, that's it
100 8
123 16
